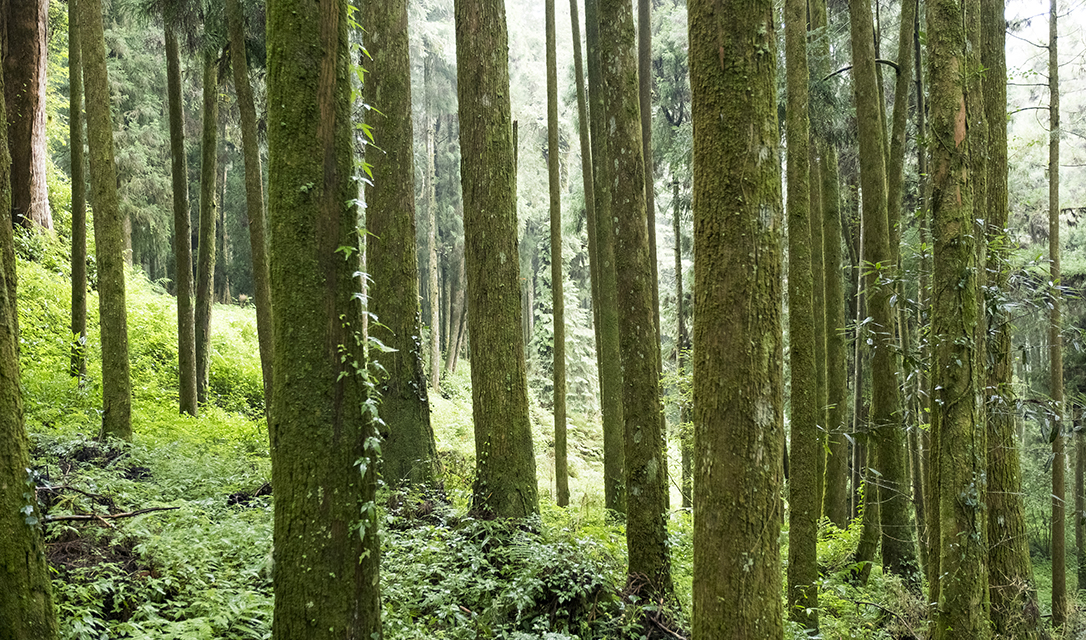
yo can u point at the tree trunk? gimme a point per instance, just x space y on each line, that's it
686 439
836 497
410 452
614 454
456 308
323 438
24 60
108 227
737 321
205 261
956 410
646 459
1055 339
78 366
254 192
182 234
561 465
898 549
644 98
505 463
432 295
803 496
26 601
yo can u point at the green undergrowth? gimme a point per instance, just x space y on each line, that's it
195 562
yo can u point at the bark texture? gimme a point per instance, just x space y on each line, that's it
505 482
410 453
108 227
26 599
646 461
737 321
79 195
23 24
323 439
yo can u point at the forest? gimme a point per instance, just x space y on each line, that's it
653 319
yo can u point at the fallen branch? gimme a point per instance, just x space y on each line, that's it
114 516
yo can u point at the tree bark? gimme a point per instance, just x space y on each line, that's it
646 460
26 601
410 452
432 296
737 321
78 366
254 192
108 227
505 463
205 261
25 41
898 549
836 496
614 454
644 99
323 438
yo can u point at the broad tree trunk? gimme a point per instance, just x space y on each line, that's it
182 229
505 463
323 438
24 35
78 366
409 450
205 261
108 227
254 192
614 454
737 322
26 599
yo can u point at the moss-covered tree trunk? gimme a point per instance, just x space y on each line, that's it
205 259
737 321
323 438
1055 338
614 453
836 495
182 228
78 366
956 408
803 496
646 459
898 548
108 227
644 100
254 191
561 464
26 599
505 482
23 26
686 438
1011 587
432 296
410 453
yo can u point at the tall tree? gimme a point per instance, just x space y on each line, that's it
505 482
1015 610
803 495
205 259
836 495
431 233
614 453
898 549
254 190
410 453
737 320
646 461
108 227
26 601
644 100
79 195
561 465
23 29
323 438
1055 338
182 229
956 408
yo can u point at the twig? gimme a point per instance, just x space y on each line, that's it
879 606
114 516
64 487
